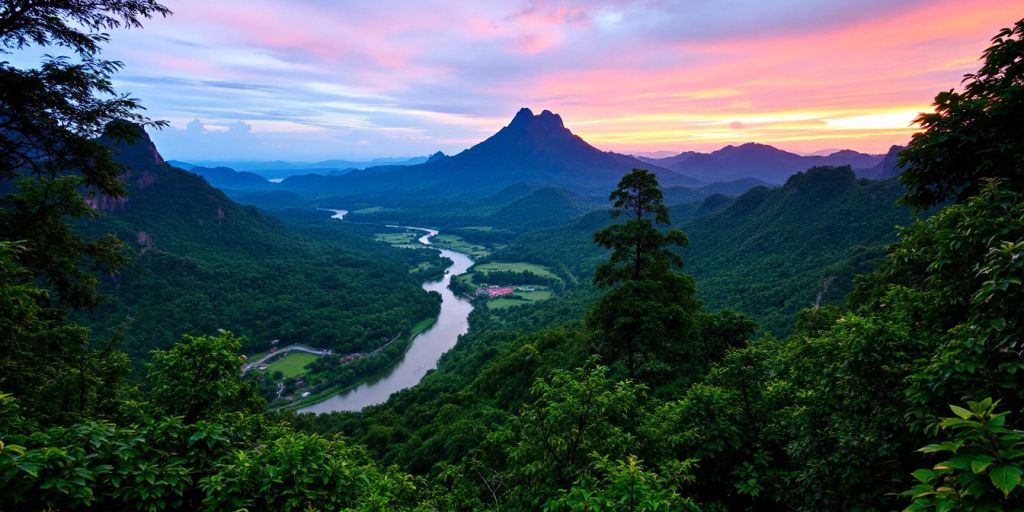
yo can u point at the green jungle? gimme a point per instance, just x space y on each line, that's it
831 343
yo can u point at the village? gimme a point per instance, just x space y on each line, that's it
494 291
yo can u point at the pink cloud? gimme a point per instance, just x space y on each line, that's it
628 76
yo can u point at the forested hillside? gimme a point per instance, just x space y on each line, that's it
633 390
201 262
768 253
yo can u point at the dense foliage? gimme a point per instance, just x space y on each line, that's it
973 134
832 417
202 263
768 253
50 121
543 408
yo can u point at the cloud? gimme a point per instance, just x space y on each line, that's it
312 79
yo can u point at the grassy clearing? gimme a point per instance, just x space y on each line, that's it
532 268
404 238
421 326
292 364
519 299
457 243
423 265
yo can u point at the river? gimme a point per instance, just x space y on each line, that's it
427 347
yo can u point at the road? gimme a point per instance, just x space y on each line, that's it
285 350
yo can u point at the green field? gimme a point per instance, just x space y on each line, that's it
540 270
292 364
422 325
404 238
457 243
425 265
526 298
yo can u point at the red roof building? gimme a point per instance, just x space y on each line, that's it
498 292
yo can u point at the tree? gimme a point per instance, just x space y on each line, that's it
45 361
199 377
639 249
652 306
51 120
974 134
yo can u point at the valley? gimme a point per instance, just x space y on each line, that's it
425 349
742 272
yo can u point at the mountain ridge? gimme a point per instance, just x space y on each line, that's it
760 161
531 148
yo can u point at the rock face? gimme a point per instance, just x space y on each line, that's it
889 166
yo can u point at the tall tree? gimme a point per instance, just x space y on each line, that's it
653 308
639 249
51 160
51 118
974 134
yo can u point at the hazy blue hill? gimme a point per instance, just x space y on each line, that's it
535 149
768 252
492 203
713 203
282 169
684 195
889 166
678 195
180 165
734 187
271 199
540 208
204 262
226 178
764 253
761 161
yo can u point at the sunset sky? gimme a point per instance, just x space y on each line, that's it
313 79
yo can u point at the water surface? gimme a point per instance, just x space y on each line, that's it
426 349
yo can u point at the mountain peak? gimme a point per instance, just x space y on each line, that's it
522 118
546 120
131 144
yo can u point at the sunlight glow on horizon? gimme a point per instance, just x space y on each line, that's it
305 80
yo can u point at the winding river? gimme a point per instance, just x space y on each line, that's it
427 347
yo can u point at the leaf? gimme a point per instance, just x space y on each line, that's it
1005 478
961 412
923 475
981 463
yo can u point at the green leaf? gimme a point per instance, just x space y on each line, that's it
981 463
1005 478
961 412
924 475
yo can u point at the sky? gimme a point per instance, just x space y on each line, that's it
310 80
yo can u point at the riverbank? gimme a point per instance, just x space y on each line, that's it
424 351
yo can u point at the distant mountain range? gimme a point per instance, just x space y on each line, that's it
228 179
280 169
888 167
535 150
760 161
767 253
